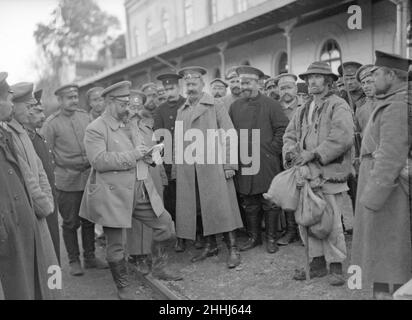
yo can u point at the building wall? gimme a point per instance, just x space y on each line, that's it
377 33
139 11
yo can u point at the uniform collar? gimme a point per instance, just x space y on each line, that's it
394 90
179 101
16 126
94 115
31 132
205 99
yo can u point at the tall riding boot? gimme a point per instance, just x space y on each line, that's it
121 279
200 241
271 226
210 249
139 264
253 218
159 264
180 245
292 233
233 259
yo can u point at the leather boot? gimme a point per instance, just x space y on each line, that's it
180 245
76 269
88 239
139 264
159 264
199 242
271 226
121 279
233 259
253 218
292 233
210 249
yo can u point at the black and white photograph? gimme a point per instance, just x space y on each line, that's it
179 151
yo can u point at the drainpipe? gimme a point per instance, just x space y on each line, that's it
222 48
287 27
402 14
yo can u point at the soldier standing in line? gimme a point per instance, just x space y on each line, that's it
64 132
218 88
205 191
95 102
234 86
35 122
382 244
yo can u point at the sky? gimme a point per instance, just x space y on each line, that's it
18 19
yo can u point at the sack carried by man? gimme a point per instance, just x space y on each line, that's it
310 207
283 190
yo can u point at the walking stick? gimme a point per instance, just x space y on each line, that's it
307 267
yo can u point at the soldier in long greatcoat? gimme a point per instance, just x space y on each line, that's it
382 234
205 190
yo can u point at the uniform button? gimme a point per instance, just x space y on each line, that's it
129 163
16 197
10 171
171 117
125 164
111 188
172 128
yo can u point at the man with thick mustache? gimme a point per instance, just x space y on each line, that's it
272 89
255 111
121 189
64 132
288 93
218 88
205 191
234 85
151 92
95 102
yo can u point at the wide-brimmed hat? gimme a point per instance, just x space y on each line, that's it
319 67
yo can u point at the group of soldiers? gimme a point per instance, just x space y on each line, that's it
103 171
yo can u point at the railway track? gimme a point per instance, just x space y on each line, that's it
160 289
